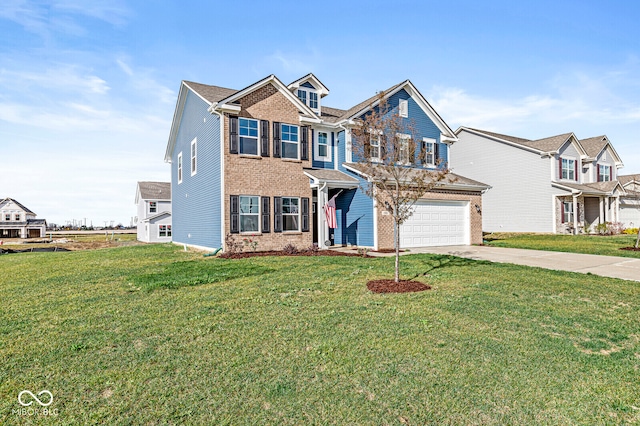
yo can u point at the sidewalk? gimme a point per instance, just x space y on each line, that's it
625 268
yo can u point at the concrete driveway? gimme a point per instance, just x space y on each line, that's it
606 266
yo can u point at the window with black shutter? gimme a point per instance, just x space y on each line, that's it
304 143
305 214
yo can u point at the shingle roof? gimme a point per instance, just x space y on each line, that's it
155 190
26 210
211 93
549 144
331 175
594 145
356 108
597 188
624 179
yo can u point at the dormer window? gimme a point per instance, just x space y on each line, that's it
302 95
309 97
313 100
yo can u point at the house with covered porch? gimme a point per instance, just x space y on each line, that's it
558 184
17 221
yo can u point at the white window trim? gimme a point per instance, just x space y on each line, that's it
257 137
405 138
282 141
316 146
259 214
149 208
180 168
403 108
194 156
433 143
299 214
575 179
606 175
167 231
375 135
570 211
307 102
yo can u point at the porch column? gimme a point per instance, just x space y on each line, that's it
616 209
323 226
601 218
575 215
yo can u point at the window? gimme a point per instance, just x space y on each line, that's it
290 214
374 148
302 95
604 173
153 207
404 149
249 213
164 230
248 136
7 217
313 100
428 152
403 108
17 217
289 140
323 145
567 212
193 156
180 168
568 169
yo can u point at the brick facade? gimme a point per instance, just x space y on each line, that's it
386 223
267 176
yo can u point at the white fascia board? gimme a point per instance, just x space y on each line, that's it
305 119
429 110
324 91
504 141
565 188
177 117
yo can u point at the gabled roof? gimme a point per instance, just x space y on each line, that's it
551 144
407 85
322 89
157 215
335 178
11 200
596 188
153 191
594 146
628 179
210 94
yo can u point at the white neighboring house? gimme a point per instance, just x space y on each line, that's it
630 202
154 212
17 221
552 185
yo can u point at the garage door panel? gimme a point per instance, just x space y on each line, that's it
436 223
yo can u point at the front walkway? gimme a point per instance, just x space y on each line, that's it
625 268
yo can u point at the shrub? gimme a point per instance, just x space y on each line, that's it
251 242
630 231
616 228
362 251
290 249
233 246
313 249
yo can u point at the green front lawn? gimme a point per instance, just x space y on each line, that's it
153 335
589 244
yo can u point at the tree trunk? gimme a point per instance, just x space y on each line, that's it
397 232
638 239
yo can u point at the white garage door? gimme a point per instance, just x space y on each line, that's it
436 223
630 215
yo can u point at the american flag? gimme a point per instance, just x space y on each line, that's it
330 212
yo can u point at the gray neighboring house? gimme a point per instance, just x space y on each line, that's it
153 200
552 185
17 221
630 202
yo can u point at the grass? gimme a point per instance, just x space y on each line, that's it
589 244
134 335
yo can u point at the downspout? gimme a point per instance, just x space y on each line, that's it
322 222
222 195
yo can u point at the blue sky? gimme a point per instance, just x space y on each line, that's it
88 88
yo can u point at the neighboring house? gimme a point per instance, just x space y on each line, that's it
630 201
261 162
17 221
557 184
153 200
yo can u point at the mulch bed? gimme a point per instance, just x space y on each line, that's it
246 254
630 248
390 286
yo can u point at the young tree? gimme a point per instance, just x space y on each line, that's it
389 152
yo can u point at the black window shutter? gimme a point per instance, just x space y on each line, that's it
276 139
383 146
234 208
575 170
233 135
366 145
266 215
277 214
436 152
559 167
264 138
304 143
305 214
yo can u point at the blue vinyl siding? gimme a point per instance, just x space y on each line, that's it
354 213
196 201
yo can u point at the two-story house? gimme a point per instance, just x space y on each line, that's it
263 161
17 221
558 184
153 220
630 201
